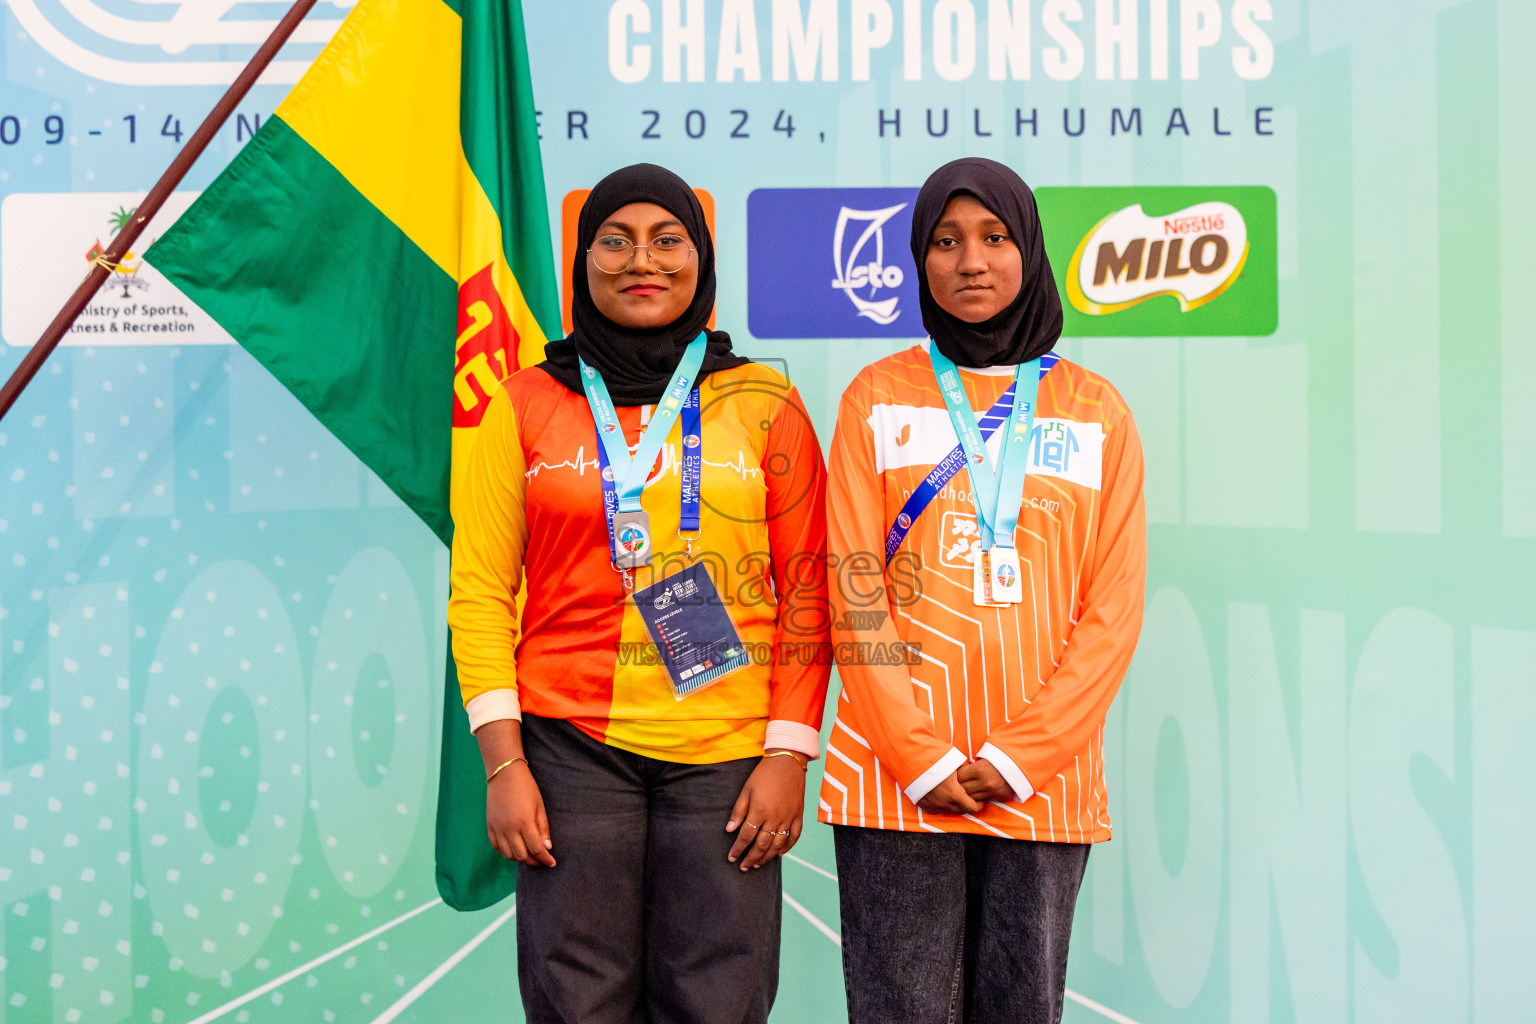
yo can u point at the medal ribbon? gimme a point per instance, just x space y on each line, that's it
623 477
941 474
951 464
997 495
630 474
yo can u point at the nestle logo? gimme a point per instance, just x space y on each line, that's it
1193 225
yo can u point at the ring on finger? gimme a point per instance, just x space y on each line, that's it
758 827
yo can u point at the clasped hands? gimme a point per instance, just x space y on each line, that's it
972 784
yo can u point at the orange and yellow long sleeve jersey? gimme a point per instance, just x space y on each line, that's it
1026 686
530 516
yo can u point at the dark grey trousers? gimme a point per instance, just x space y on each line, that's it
943 929
642 920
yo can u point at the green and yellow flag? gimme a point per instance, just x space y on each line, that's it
382 246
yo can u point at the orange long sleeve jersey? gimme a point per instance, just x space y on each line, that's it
1025 686
531 515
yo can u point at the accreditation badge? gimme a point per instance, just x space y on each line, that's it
695 638
1005 575
631 539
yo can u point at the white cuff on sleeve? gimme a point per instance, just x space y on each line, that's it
1008 769
493 706
941 770
796 736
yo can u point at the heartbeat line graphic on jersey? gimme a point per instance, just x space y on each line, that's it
146 37
740 466
579 464
670 464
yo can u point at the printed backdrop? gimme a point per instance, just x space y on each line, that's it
1295 233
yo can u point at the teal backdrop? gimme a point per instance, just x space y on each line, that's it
221 638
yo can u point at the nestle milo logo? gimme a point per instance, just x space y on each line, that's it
1178 261
1128 258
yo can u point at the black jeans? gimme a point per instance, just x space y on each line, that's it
642 920
940 929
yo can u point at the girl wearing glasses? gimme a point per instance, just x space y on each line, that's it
966 787
658 500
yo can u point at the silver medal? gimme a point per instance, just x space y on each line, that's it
631 539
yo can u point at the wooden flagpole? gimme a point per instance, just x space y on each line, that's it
39 353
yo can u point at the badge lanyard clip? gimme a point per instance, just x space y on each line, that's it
687 543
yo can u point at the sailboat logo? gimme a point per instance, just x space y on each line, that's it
861 270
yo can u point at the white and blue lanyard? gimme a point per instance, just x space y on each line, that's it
971 454
624 477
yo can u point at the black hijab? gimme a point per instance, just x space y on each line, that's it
1031 323
637 363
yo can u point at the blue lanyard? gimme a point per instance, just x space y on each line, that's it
624 477
693 471
630 474
1001 411
998 494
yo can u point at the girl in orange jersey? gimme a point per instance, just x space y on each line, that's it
1001 489
640 784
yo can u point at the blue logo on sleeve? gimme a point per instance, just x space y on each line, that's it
831 263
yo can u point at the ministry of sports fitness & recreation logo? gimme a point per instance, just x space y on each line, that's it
125 272
1181 261
47 242
872 291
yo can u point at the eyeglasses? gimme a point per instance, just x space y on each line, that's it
614 254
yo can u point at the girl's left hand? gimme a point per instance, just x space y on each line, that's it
983 782
767 816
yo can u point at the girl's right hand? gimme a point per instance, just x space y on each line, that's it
514 817
949 797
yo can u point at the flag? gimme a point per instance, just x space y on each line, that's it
382 246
